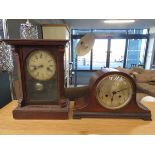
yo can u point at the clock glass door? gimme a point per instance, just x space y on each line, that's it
41 77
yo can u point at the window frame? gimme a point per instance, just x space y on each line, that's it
123 35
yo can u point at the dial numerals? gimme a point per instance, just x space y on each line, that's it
114 91
41 65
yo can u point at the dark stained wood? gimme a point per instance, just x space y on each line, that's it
56 48
88 106
42 42
41 112
133 115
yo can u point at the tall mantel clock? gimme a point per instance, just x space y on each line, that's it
111 94
42 76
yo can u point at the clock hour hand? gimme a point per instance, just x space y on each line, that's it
36 67
114 92
40 66
49 69
112 98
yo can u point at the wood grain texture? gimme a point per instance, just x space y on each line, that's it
10 126
23 42
89 106
55 49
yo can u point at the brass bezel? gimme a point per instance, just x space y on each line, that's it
116 107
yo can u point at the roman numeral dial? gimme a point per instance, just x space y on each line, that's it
41 65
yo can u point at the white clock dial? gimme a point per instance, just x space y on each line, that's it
114 91
41 65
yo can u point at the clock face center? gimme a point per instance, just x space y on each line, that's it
114 91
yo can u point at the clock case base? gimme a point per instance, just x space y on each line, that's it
55 112
132 115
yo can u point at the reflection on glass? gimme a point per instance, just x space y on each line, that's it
136 52
99 54
117 52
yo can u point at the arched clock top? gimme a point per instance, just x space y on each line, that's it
112 94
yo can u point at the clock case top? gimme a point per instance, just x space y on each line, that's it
23 48
89 107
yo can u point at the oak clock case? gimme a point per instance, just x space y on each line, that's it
42 76
111 94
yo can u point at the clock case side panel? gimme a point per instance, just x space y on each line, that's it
60 65
88 106
18 50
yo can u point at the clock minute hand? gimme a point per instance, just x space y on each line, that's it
114 92
120 90
40 66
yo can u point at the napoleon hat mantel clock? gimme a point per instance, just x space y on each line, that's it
111 94
42 76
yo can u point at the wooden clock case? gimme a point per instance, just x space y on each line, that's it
89 107
41 110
